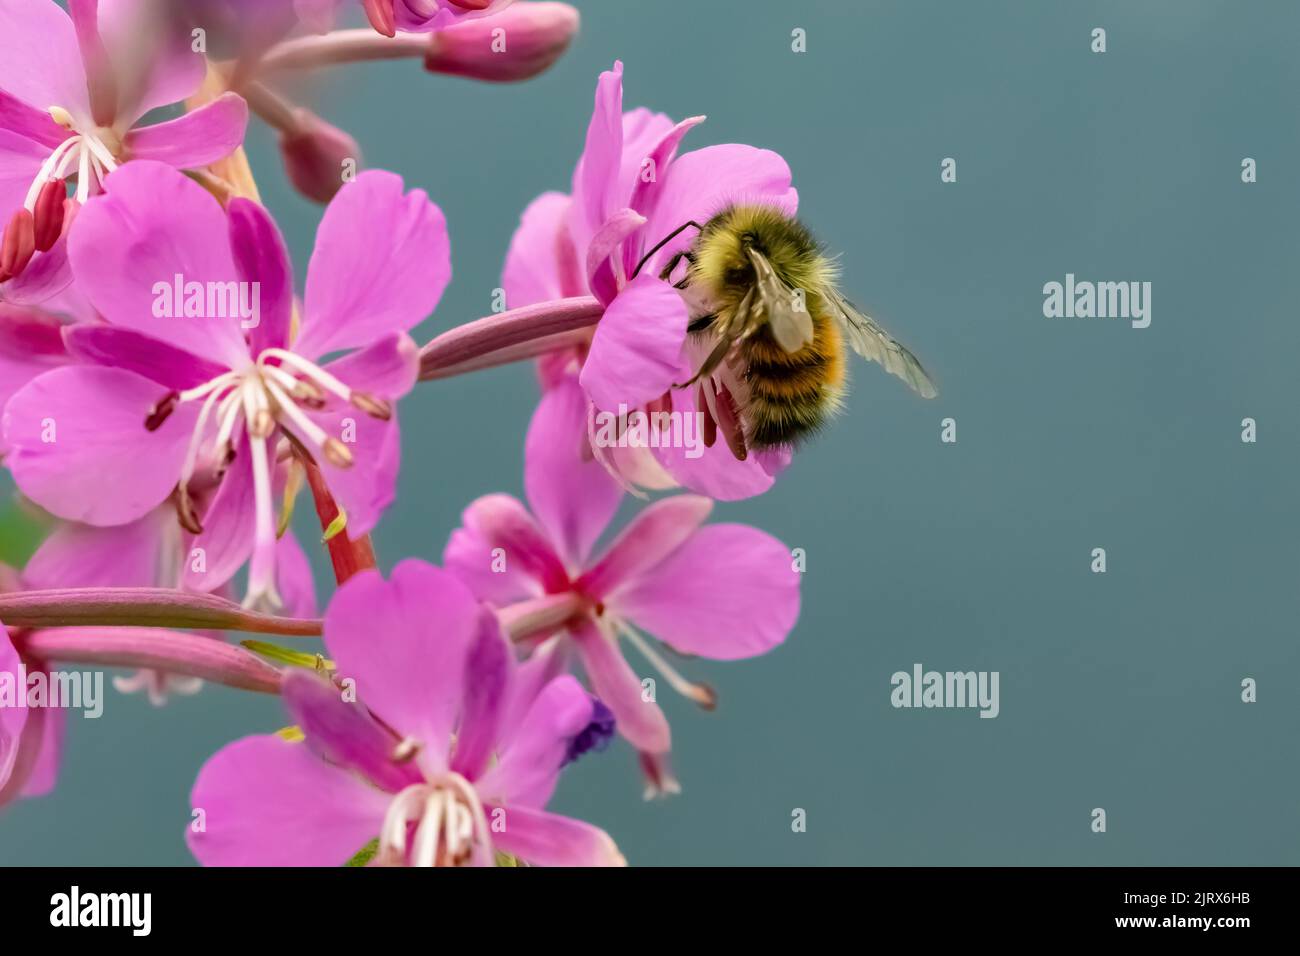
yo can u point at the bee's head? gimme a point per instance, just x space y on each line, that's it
723 249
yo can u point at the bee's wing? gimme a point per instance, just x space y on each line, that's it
791 324
872 342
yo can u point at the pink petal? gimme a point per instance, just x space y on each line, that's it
103 466
573 497
469 555
548 839
80 555
12 719
342 732
20 162
531 563
654 534
194 139
47 282
729 592
715 471
165 364
542 263
228 525
387 369
269 802
173 70
152 225
487 690
40 61
645 192
640 721
636 353
700 184
381 261
44 772
262 258
529 764
293 578
405 642
604 256
365 488
30 122
596 176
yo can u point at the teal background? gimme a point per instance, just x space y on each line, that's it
1119 690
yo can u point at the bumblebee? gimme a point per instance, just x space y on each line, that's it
769 327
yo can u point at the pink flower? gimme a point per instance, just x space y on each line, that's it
631 191
182 391
31 738
451 753
72 88
724 592
423 16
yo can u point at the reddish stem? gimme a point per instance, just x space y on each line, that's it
347 554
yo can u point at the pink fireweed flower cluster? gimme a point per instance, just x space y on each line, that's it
166 394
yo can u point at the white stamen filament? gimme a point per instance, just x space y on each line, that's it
309 369
691 691
302 424
451 827
85 150
261 569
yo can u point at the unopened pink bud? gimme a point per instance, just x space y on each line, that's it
18 245
516 44
319 158
48 213
381 16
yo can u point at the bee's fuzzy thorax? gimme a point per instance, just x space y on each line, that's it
721 263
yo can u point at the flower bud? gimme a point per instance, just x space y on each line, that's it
319 158
518 43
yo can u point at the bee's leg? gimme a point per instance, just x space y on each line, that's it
672 264
663 242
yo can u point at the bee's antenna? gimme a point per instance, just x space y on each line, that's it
663 242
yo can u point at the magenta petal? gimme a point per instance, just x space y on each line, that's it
388 369
487 691
381 261
715 471
20 162
143 354
262 258
645 192
342 732
542 264
293 578
47 282
501 522
121 556
173 69
604 263
529 764
129 245
269 802
194 139
102 465
40 61
29 122
548 839
228 525
12 719
596 176
729 592
405 642
505 576
365 488
700 184
636 353
572 496
653 535
44 772
640 721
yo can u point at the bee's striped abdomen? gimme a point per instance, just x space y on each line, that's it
791 394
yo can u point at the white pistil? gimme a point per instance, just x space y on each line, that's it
261 570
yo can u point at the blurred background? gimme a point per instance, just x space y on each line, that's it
1119 690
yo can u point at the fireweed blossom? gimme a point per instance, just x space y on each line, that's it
631 191
172 393
724 592
72 88
447 752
